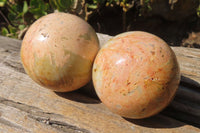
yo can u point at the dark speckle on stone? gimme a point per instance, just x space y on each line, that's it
85 36
128 82
152 52
143 109
152 45
160 49
44 34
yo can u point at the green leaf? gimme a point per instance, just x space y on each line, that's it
36 11
65 4
37 8
25 7
52 4
37 4
21 27
11 17
198 11
61 5
34 3
47 7
57 6
4 31
2 3
92 6
12 29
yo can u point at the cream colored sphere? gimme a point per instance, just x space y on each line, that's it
58 51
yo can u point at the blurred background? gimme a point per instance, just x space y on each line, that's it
175 21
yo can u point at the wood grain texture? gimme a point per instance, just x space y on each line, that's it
189 60
28 107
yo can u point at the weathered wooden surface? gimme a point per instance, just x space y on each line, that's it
28 107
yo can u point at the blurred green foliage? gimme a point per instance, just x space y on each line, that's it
20 14
198 11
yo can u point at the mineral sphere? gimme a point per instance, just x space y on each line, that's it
136 74
58 51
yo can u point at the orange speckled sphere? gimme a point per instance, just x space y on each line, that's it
136 74
58 51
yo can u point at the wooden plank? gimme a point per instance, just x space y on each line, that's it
68 109
66 112
189 60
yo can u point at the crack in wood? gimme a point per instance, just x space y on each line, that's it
18 67
41 116
20 106
60 125
66 127
7 51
